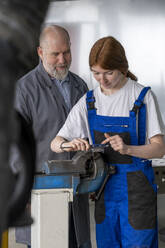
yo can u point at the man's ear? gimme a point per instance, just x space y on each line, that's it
40 52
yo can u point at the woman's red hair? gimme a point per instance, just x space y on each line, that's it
109 54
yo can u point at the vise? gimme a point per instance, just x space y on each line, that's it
86 172
54 190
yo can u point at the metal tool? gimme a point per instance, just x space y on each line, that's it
94 147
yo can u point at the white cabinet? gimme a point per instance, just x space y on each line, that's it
50 211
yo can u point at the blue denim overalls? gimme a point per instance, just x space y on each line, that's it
126 213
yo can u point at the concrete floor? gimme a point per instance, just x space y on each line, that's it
161 214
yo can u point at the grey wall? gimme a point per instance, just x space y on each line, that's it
138 25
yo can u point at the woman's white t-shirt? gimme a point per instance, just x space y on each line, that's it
117 104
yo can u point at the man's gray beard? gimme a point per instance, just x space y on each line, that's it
60 75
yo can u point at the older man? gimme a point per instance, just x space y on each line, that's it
44 97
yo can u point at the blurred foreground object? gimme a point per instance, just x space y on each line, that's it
20 23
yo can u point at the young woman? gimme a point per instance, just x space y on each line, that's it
122 113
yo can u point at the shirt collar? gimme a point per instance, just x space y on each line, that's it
65 80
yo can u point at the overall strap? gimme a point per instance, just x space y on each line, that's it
140 108
90 102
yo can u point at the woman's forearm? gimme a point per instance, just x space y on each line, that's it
154 150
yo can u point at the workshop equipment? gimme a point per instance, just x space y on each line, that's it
86 172
54 189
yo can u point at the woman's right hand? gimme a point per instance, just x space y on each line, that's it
77 144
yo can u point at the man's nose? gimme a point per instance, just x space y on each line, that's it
61 58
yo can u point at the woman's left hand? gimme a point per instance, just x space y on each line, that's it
116 143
